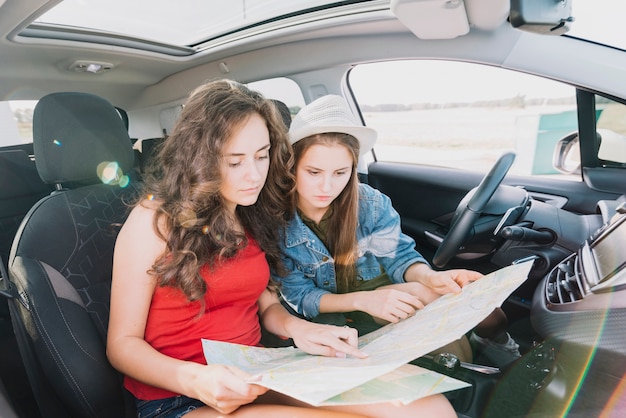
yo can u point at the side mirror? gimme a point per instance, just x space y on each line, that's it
566 157
611 147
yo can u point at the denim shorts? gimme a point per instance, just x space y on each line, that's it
174 407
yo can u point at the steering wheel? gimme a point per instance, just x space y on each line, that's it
465 216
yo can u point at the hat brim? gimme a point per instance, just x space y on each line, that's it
366 136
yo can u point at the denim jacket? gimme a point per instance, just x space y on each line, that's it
311 268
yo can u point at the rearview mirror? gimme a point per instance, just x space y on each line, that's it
550 17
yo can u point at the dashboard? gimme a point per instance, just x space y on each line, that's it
583 298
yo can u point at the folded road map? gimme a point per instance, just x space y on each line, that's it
384 375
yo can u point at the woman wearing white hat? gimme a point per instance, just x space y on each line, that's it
347 258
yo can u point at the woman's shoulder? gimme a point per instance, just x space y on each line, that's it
141 218
144 210
369 194
373 204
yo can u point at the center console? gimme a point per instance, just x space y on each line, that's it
583 299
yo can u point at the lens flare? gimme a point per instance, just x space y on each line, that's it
187 218
111 173
581 379
124 181
616 401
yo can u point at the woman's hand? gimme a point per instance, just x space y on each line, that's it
389 303
449 281
223 388
325 340
442 282
318 339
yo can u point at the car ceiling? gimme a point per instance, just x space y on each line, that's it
141 79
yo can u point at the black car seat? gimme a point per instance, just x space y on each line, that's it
149 148
285 113
61 259
20 188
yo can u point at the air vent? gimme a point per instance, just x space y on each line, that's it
565 282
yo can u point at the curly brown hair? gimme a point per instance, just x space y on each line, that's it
184 182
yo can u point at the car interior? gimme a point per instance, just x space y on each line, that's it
99 101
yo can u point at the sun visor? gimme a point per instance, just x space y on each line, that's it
432 19
447 19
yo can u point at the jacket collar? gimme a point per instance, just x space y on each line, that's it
297 232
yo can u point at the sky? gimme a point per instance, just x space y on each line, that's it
470 87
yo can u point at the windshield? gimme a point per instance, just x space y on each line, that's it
599 21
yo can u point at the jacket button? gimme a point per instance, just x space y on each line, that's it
326 283
324 259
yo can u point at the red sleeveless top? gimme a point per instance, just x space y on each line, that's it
174 328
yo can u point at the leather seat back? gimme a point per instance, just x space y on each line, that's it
61 260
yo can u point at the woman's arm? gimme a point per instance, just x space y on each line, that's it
388 303
136 248
397 254
394 250
300 292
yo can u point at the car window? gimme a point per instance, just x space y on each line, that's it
281 88
611 126
464 115
16 122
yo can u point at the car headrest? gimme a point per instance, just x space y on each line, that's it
75 135
285 113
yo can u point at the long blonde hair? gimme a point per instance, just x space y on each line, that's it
342 225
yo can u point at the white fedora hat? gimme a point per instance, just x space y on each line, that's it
330 113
